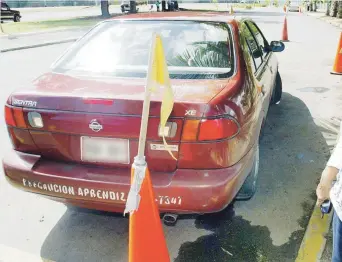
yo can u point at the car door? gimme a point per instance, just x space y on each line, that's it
265 72
256 76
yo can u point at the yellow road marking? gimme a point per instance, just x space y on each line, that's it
314 240
10 254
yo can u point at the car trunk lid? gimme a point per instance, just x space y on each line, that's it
79 114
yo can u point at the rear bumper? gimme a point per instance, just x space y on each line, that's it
183 191
293 9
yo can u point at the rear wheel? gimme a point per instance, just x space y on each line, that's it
278 90
248 188
16 18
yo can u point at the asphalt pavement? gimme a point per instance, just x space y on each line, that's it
298 137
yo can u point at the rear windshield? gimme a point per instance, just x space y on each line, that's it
121 49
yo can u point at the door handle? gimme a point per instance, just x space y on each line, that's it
271 69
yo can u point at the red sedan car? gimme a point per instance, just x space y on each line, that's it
75 129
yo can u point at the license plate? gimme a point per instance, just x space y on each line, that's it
104 150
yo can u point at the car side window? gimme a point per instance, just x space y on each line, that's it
252 46
4 6
263 44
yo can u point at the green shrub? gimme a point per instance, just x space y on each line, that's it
248 7
276 3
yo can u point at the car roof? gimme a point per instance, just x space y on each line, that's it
183 15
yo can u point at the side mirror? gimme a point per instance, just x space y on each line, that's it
277 46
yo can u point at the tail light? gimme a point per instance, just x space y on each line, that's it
14 116
210 129
20 136
169 130
35 120
190 130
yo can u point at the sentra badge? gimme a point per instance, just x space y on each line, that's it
29 103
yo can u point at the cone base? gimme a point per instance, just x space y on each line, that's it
335 73
284 40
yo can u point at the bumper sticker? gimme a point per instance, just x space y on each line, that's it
80 191
94 193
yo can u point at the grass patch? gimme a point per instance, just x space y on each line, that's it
51 9
24 27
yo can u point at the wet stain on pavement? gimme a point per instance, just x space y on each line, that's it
307 207
314 89
235 239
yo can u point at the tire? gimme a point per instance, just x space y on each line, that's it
277 91
249 187
16 18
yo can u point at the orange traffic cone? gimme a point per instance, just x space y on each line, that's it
146 237
285 36
337 69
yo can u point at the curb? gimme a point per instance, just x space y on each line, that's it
313 243
38 45
327 19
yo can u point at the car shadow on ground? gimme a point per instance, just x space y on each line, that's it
82 235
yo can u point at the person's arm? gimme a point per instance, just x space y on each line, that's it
335 160
330 172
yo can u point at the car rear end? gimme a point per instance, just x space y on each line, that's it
294 7
75 131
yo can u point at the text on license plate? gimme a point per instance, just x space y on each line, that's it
104 150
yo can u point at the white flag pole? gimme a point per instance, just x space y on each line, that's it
139 164
146 104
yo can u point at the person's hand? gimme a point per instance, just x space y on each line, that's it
323 189
322 192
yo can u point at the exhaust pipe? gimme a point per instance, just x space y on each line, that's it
170 219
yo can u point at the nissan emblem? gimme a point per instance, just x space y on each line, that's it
95 126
